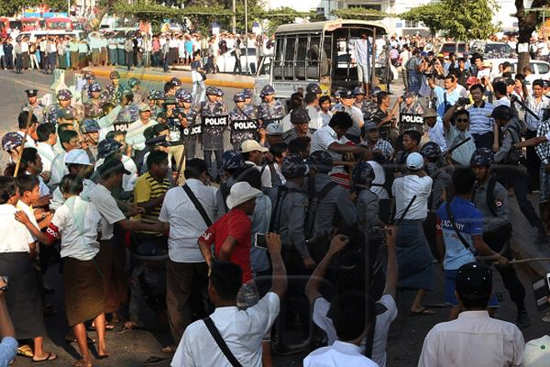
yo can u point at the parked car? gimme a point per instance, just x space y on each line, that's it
540 69
226 61
451 47
492 50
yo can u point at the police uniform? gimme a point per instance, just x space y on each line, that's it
53 111
269 112
247 116
113 94
297 116
37 109
212 136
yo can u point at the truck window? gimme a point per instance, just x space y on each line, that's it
290 49
312 58
300 64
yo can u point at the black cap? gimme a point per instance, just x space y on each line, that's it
299 116
474 280
502 113
111 166
31 92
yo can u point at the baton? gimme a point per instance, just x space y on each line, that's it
514 99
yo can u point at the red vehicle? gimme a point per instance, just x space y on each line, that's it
64 24
30 24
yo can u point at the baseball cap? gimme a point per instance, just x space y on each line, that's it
274 129
112 166
78 156
370 125
415 161
250 145
144 107
429 112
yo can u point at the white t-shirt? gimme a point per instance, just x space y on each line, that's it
405 188
30 213
321 308
47 155
338 354
242 330
78 222
379 179
108 208
58 169
17 237
186 223
323 138
134 135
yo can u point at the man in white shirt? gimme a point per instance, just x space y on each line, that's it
186 268
332 138
474 339
362 55
386 309
27 125
241 330
46 140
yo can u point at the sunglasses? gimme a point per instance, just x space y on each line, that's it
462 120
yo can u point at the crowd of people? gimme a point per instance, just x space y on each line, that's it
48 52
290 224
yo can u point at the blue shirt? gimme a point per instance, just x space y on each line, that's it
440 95
469 222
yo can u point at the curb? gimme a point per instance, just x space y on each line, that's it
167 77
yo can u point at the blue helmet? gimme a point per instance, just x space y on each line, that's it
266 91
132 82
155 95
313 88
11 140
431 151
294 166
211 91
64 95
89 126
219 92
358 91
239 97
94 87
482 157
232 161
247 92
175 82
181 93
362 175
107 147
321 160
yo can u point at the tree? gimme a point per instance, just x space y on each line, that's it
460 19
431 15
528 21
360 13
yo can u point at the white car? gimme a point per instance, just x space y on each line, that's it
540 69
226 61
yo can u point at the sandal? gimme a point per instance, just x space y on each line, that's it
25 351
49 357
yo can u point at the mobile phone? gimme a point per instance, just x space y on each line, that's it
259 240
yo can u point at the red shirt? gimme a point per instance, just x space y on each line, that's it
237 225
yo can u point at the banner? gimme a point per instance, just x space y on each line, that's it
410 118
244 125
215 121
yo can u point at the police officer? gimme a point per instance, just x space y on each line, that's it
89 80
290 207
270 110
90 137
360 101
243 122
156 98
332 200
214 122
347 105
51 114
135 86
129 112
94 107
248 95
366 201
113 91
191 125
491 199
510 172
300 125
315 89
33 104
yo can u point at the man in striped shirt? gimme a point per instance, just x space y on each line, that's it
481 124
148 194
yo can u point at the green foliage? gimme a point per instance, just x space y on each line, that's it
360 13
460 19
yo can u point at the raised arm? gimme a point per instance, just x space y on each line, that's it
279 279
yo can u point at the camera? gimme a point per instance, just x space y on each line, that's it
463 101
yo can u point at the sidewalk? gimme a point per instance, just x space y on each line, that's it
157 75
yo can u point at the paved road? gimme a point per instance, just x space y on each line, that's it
132 348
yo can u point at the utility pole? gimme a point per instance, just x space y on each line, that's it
246 34
234 17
